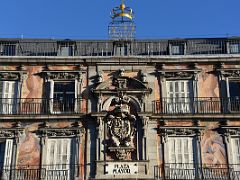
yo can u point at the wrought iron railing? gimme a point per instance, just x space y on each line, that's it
36 106
197 172
46 172
201 105
26 47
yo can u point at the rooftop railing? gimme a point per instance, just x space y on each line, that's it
201 105
196 172
25 47
45 106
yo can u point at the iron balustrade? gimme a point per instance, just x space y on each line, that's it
38 47
197 105
41 106
45 172
197 172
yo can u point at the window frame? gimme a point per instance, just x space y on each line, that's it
73 156
182 47
236 167
7 157
192 168
15 86
71 46
230 46
51 95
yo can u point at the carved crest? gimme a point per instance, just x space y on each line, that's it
121 128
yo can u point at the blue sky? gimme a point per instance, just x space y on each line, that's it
88 19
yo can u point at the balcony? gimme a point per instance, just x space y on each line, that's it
196 172
49 172
41 106
201 105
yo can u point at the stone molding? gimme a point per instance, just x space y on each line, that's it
61 132
62 75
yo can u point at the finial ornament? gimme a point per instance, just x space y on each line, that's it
122 26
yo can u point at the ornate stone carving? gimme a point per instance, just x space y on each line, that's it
233 131
178 74
120 83
178 131
62 75
121 128
10 132
231 73
143 77
121 123
10 75
121 72
59 132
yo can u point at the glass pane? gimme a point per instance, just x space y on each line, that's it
234 88
182 87
170 86
176 87
2 152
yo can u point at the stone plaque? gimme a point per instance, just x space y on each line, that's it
121 168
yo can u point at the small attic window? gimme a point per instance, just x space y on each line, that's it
234 47
66 49
177 48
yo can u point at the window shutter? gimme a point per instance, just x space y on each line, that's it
180 151
8 153
236 152
59 153
10 89
9 95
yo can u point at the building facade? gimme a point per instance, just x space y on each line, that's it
141 109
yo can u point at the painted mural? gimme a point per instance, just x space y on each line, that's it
29 150
213 149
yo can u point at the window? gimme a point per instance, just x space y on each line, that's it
234 95
63 94
8 97
235 143
234 88
59 158
177 48
5 157
180 158
121 49
66 49
234 48
179 96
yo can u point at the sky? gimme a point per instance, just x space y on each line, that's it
89 19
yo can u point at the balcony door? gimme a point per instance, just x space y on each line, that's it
234 96
180 158
8 95
63 96
5 158
59 159
179 94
